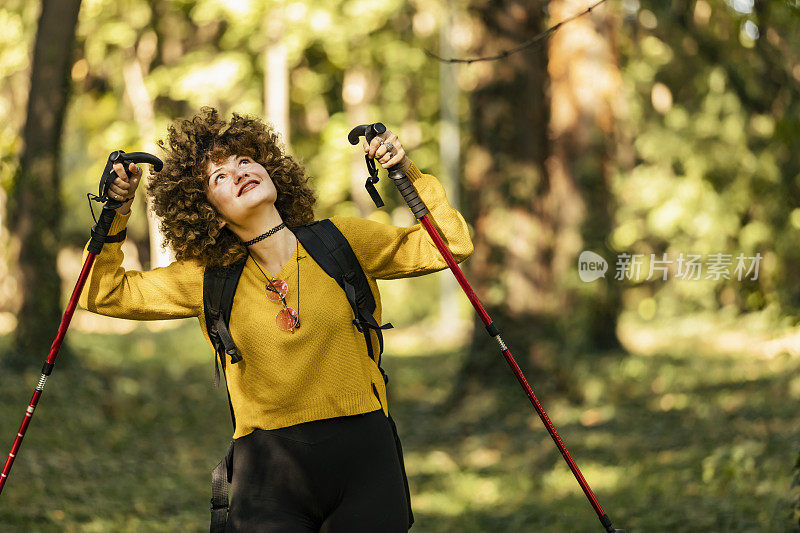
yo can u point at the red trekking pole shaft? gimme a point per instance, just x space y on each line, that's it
495 333
420 211
48 367
99 237
95 245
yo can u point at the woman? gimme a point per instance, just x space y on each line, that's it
313 450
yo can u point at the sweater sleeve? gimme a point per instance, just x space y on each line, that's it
391 252
174 291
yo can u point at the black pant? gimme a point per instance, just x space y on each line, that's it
339 475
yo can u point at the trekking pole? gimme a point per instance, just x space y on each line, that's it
99 233
421 213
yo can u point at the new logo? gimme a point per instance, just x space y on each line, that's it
591 266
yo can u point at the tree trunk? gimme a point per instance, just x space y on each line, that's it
506 184
584 85
537 183
37 209
450 155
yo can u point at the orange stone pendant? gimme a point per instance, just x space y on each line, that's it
277 290
287 319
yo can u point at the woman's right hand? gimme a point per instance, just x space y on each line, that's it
124 188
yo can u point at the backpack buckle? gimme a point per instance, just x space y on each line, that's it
234 353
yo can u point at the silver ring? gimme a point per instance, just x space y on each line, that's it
390 148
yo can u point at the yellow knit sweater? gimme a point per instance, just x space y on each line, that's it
322 370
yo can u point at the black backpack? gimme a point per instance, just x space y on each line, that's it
331 251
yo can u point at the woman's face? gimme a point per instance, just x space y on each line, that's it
237 187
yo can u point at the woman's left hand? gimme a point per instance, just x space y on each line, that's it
386 148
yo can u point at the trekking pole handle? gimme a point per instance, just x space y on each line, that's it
120 156
367 130
408 192
399 177
100 232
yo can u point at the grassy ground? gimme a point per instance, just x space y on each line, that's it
670 440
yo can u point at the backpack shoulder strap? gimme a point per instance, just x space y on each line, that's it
331 251
219 287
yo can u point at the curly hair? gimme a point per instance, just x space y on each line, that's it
188 220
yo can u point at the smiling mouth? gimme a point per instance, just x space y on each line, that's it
242 190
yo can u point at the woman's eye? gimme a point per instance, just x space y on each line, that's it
244 160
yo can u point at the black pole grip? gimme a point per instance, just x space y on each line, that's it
120 156
408 191
144 157
367 130
101 230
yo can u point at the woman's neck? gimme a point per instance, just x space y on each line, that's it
273 251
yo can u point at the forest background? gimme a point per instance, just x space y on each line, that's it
662 136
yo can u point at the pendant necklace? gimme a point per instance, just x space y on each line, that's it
287 318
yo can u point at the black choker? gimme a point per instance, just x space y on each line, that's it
265 235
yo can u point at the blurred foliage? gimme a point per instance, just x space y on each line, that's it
18 20
212 53
708 160
708 130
